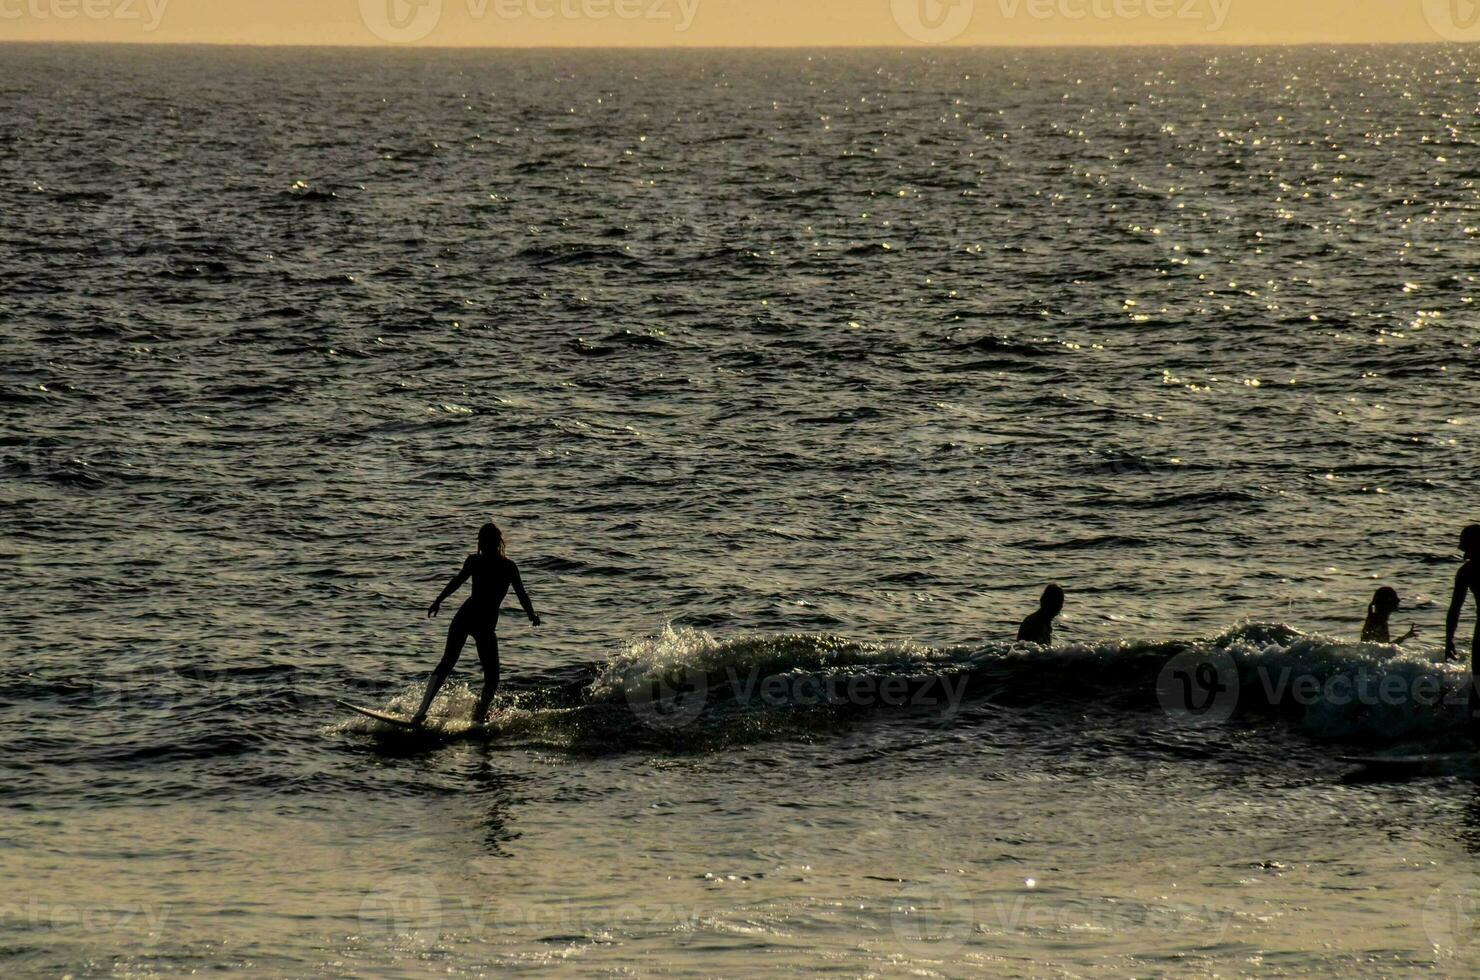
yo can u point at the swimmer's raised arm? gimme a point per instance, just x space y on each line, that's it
452 586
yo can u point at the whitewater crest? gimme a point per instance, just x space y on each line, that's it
686 687
1328 686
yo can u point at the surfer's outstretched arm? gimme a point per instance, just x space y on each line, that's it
452 586
518 584
1456 605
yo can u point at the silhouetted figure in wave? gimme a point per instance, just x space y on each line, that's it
492 574
1384 603
1038 627
1467 580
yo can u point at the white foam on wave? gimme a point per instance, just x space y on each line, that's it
451 713
1343 689
1331 687
679 650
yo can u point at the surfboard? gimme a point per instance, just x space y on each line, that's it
384 716
432 726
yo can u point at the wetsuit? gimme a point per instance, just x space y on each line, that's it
492 576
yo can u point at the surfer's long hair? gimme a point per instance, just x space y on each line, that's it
1384 600
490 540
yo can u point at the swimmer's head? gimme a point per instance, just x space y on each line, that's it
1052 600
490 540
1469 541
1385 600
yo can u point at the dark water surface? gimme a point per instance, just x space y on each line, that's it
792 377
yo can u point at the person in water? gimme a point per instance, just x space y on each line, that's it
1038 627
1384 603
1467 579
492 574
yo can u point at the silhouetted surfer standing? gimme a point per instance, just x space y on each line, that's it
492 574
1466 581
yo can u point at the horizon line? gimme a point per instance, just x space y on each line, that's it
383 46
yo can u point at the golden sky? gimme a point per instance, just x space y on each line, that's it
663 23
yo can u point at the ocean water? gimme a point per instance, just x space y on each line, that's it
792 378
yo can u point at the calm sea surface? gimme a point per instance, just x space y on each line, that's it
792 378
